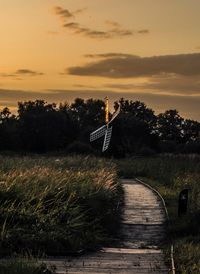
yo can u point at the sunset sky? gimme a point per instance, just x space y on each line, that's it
58 50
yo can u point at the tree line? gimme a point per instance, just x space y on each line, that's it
41 127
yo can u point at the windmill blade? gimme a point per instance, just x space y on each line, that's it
115 114
98 133
107 139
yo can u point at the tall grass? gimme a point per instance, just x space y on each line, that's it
55 206
171 174
165 168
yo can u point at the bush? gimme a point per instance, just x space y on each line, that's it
167 146
80 148
146 151
192 147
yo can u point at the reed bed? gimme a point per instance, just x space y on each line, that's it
57 206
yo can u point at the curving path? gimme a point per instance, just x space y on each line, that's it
138 250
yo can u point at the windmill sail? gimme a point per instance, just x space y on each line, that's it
115 114
100 132
107 139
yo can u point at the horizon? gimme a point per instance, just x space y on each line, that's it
112 100
58 50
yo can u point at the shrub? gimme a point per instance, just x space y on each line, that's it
80 148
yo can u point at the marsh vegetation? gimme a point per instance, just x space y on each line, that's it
57 206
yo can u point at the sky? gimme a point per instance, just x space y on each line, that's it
57 50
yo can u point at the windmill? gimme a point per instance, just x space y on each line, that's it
105 130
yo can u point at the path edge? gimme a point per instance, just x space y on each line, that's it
173 269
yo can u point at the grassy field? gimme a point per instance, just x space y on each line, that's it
57 206
171 174
51 206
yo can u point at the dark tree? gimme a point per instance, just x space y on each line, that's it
134 128
88 113
43 127
138 109
170 126
191 131
9 133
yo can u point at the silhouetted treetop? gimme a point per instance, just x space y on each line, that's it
43 127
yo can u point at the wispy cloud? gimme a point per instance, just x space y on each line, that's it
167 84
84 86
7 75
112 23
143 31
21 72
63 14
122 87
110 55
179 84
113 30
80 10
131 66
28 72
92 33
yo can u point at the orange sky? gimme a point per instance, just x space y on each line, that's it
139 49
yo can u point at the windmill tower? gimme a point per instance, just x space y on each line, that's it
105 130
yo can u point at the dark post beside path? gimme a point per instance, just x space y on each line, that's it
183 202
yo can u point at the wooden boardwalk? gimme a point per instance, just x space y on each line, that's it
138 251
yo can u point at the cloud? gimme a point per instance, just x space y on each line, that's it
110 55
174 84
20 73
187 105
178 85
115 29
63 13
143 31
122 87
80 10
112 23
84 86
92 33
7 75
28 72
170 85
134 66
